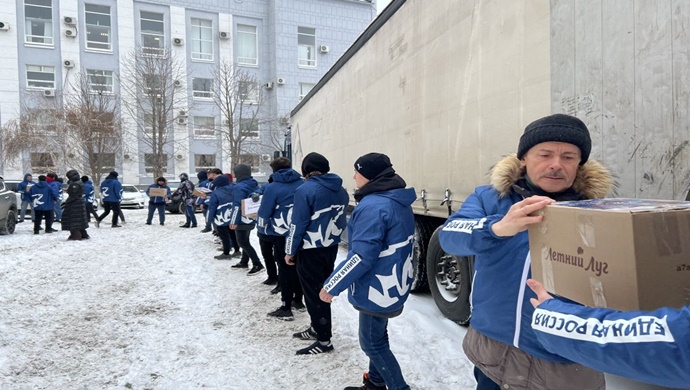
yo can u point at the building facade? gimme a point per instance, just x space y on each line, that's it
276 50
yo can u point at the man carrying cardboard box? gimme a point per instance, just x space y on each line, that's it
551 165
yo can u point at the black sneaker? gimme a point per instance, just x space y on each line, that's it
148 223
205 230
298 305
222 256
367 385
308 334
271 281
51 231
236 254
275 290
162 223
116 226
283 313
239 265
315 349
255 269
184 226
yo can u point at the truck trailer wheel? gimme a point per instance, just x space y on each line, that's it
449 281
423 229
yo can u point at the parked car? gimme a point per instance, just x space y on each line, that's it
133 197
11 185
8 209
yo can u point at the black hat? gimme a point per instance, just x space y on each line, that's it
42 178
113 174
372 165
161 179
73 175
556 128
84 178
201 175
314 162
221 181
242 171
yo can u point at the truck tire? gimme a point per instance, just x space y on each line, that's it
423 228
449 281
10 223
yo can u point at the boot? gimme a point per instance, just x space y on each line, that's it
84 235
186 225
367 385
74 235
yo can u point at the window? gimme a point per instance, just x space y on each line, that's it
304 89
38 22
202 39
39 76
306 46
97 21
248 91
249 128
99 80
204 127
201 88
247 45
253 160
204 162
44 121
104 161
103 122
148 124
153 84
150 160
42 162
152 33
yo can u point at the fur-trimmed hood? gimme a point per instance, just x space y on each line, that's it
593 180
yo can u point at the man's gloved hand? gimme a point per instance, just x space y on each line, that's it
255 197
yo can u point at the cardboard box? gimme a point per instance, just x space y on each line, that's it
201 192
625 254
250 209
153 192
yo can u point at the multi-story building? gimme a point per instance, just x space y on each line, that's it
281 48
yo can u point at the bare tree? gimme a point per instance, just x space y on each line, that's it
241 100
155 100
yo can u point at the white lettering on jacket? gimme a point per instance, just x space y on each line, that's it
347 267
464 225
641 329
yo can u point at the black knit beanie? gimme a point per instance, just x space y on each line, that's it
84 179
556 128
202 175
242 171
314 162
113 174
372 165
42 178
161 179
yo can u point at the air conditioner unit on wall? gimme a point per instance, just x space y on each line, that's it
177 83
183 113
71 33
224 35
324 49
4 26
265 157
49 92
269 85
69 20
178 41
280 81
181 121
68 64
179 157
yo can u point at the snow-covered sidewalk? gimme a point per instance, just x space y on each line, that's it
147 307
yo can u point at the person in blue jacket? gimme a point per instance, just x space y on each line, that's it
318 220
157 203
651 347
111 194
23 189
220 207
204 183
273 221
552 164
44 197
245 186
378 269
56 183
89 199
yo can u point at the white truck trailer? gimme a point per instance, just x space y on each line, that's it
446 87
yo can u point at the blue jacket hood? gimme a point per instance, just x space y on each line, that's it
329 180
26 176
287 175
220 181
404 196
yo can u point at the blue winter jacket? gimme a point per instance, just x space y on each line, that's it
220 203
378 269
318 214
89 192
652 347
157 199
501 268
21 188
203 184
275 211
243 190
111 190
43 195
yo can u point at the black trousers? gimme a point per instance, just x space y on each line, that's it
224 233
266 244
248 251
115 207
313 267
43 214
290 287
90 211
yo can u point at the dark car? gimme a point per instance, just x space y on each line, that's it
8 209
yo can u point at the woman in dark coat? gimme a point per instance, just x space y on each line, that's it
74 216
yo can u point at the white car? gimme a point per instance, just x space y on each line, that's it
133 197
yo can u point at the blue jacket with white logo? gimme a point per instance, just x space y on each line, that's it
652 347
158 199
220 203
203 184
243 190
318 214
111 190
21 188
43 195
378 268
275 211
89 192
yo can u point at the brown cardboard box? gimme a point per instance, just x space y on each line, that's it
625 254
250 208
157 192
201 192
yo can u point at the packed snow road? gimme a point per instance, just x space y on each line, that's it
147 307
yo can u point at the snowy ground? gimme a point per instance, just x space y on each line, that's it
147 307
